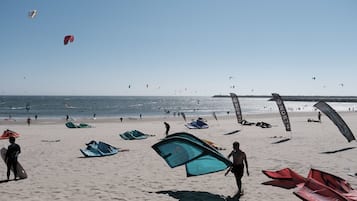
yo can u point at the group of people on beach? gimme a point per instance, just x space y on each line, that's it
239 160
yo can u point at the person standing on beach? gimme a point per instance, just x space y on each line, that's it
13 150
239 158
167 126
319 116
28 121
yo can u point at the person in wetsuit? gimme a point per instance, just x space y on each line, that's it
13 150
239 158
167 126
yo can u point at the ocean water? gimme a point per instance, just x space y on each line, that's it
133 106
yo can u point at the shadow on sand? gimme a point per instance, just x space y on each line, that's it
233 132
5 180
198 196
336 151
287 184
281 141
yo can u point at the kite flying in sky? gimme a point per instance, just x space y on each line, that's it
32 14
67 39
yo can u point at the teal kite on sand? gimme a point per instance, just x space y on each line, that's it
134 135
95 149
81 125
198 157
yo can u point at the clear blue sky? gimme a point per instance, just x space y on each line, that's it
179 47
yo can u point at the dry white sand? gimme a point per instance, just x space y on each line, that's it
58 170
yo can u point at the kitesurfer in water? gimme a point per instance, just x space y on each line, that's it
239 158
12 153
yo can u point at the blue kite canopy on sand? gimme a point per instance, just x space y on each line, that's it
197 124
81 125
134 135
96 149
198 157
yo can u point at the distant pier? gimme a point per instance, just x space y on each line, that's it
350 99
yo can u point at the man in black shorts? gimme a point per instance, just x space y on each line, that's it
12 153
239 158
167 126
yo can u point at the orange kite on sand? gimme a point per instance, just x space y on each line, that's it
9 133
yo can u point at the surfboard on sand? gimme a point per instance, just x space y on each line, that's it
21 173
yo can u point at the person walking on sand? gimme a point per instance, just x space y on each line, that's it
239 158
13 150
167 126
319 116
28 121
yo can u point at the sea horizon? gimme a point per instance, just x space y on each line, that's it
16 106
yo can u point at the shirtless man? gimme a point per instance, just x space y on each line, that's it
238 166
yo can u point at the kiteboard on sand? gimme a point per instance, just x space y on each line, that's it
352 174
21 173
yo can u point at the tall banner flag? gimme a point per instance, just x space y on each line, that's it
236 107
336 119
283 113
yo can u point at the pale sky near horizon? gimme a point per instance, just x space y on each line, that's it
179 47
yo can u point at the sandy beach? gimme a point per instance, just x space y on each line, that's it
58 171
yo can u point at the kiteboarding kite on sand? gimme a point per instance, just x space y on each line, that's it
80 125
197 124
318 186
99 148
198 157
9 133
134 135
